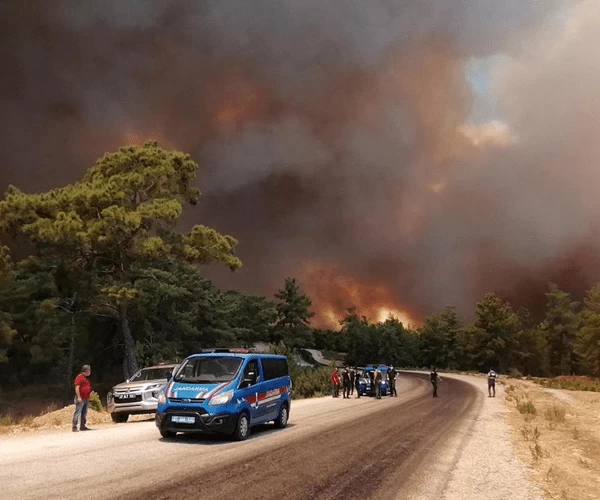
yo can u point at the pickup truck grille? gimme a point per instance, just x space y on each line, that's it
127 399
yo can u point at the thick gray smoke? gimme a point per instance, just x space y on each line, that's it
347 143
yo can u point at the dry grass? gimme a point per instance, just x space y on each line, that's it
527 409
564 458
555 414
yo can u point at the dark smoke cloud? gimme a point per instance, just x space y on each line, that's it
335 137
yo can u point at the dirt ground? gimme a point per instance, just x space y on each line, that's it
558 437
61 420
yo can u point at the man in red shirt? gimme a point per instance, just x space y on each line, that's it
335 382
83 389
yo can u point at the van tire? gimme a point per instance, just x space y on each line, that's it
282 419
119 418
168 434
242 427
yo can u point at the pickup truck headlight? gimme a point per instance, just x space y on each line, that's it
221 399
162 398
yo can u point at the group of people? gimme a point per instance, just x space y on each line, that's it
348 378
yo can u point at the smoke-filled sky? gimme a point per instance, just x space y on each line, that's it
396 155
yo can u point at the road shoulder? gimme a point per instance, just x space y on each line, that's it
556 433
478 460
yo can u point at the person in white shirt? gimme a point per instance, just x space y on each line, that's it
492 376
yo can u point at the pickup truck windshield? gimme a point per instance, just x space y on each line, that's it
208 370
151 374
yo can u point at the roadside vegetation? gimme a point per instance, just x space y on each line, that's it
100 273
572 383
558 436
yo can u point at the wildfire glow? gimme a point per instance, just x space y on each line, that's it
333 293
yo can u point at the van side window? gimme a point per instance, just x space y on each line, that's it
274 368
251 371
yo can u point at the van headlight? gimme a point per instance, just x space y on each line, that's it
162 398
222 398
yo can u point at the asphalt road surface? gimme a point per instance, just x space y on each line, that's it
332 449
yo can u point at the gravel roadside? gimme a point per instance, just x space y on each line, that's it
487 466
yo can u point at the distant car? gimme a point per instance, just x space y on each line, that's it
139 394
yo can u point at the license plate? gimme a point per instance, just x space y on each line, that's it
127 396
183 420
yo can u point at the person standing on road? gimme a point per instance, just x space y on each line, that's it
352 378
492 376
392 381
377 378
346 382
372 386
83 389
335 383
357 376
435 378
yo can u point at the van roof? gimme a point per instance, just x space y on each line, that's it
235 355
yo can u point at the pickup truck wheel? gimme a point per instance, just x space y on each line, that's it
283 417
242 428
168 434
119 418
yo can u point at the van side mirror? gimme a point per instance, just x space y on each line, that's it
169 376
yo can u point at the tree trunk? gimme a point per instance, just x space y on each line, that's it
130 365
69 394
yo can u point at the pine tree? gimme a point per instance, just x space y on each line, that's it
120 218
588 341
560 326
293 316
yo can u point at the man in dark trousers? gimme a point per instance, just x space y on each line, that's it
83 389
492 376
352 380
357 376
435 378
392 381
346 382
372 380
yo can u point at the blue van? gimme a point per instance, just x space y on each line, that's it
225 393
364 387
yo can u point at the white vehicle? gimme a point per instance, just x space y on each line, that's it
139 394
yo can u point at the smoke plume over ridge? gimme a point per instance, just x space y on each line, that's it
343 142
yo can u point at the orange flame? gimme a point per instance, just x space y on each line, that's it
333 293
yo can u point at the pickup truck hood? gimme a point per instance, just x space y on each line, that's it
134 386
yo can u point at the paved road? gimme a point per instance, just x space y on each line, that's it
333 448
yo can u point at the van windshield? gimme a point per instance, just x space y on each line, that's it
208 370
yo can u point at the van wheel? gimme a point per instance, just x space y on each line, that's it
119 418
242 428
168 434
283 417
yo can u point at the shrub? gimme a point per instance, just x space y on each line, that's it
514 373
530 433
94 402
528 409
555 414
536 451
6 420
311 382
27 421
